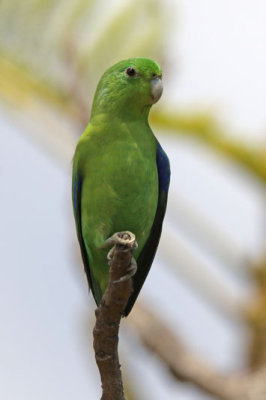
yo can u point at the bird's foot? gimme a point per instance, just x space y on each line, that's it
126 239
131 271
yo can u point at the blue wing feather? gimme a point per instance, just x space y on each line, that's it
76 198
163 167
147 254
76 194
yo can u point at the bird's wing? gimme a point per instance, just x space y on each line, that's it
76 198
147 254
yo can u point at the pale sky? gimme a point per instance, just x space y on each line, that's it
217 51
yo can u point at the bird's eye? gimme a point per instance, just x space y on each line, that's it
130 71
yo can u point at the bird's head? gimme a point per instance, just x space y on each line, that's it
129 88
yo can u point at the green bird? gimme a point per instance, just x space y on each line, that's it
120 172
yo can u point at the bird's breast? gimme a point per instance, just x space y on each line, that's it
133 181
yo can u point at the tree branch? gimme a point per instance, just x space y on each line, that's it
108 316
186 366
206 128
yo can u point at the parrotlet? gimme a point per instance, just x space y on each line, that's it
121 173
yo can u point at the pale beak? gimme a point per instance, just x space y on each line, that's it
156 88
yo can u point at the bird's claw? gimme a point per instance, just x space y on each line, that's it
110 255
131 271
127 239
124 238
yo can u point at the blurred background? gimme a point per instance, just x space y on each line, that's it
208 281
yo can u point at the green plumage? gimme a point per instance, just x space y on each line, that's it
115 174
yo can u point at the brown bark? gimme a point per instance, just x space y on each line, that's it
108 316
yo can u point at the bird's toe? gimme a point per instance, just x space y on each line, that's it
125 238
132 269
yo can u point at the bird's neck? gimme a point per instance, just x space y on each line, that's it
124 126
114 104
124 113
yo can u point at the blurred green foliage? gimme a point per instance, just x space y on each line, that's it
55 51
206 128
65 44
256 316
